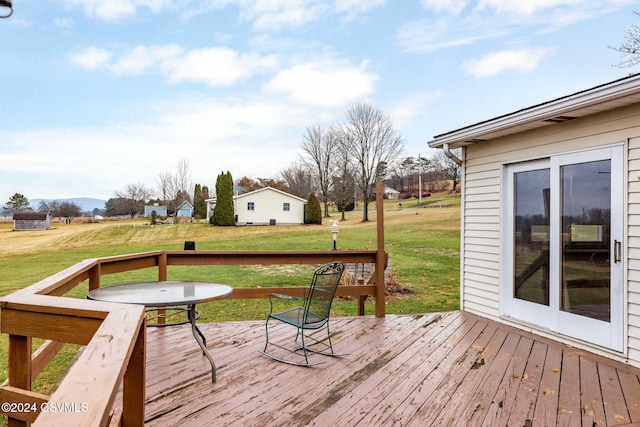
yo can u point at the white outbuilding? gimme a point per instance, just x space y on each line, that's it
266 206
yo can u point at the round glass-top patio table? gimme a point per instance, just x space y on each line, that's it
162 294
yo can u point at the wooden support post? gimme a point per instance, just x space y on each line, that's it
134 383
380 255
19 368
94 277
162 275
162 267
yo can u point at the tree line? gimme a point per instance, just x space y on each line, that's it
338 164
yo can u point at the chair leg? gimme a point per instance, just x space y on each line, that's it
304 347
266 327
326 345
296 352
329 339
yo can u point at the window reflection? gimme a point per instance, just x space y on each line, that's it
531 235
586 219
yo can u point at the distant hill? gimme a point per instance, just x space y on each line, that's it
86 204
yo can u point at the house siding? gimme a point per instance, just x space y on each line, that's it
268 205
633 245
481 225
483 168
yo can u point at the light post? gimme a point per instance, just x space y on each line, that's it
419 179
334 232
5 4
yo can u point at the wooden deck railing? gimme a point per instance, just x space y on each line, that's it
114 334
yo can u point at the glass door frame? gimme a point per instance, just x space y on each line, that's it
606 334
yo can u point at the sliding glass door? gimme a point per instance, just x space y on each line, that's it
563 233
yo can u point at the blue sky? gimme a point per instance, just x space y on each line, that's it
99 94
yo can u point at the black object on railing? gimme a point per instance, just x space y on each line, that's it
7 4
189 246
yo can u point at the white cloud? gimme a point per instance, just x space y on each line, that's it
355 7
110 10
91 57
424 36
268 15
325 83
521 60
453 7
107 10
216 66
465 22
407 109
255 137
526 7
278 14
290 17
143 58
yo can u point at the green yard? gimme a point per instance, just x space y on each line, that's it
423 243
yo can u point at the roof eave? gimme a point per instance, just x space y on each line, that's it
607 96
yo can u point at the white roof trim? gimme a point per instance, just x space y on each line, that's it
272 189
238 196
609 96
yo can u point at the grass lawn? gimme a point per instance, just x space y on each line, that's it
422 241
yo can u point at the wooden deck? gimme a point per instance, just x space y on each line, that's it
414 370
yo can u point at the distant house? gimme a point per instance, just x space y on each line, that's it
185 210
266 206
31 221
391 193
160 210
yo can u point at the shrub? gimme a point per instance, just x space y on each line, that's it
312 210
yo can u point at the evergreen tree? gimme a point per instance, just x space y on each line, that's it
223 212
200 194
18 202
312 210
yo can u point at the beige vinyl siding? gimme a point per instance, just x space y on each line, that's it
483 167
481 259
633 247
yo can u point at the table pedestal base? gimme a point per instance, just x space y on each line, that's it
200 339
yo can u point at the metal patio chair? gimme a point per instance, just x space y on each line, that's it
311 315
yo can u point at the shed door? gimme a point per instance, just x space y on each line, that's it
563 241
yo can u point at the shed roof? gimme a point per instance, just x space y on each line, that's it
616 94
30 216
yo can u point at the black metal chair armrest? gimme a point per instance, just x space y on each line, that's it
289 297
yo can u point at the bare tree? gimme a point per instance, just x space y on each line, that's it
450 170
175 189
344 183
165 186
319 146
299 179
182 182
135 196
371 141
630 48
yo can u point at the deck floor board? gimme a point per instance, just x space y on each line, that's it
406 370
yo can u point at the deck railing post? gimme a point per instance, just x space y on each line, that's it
134 383
380 255
94 277
162 266
162 275
19 368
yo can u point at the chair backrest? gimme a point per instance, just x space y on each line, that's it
324 284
